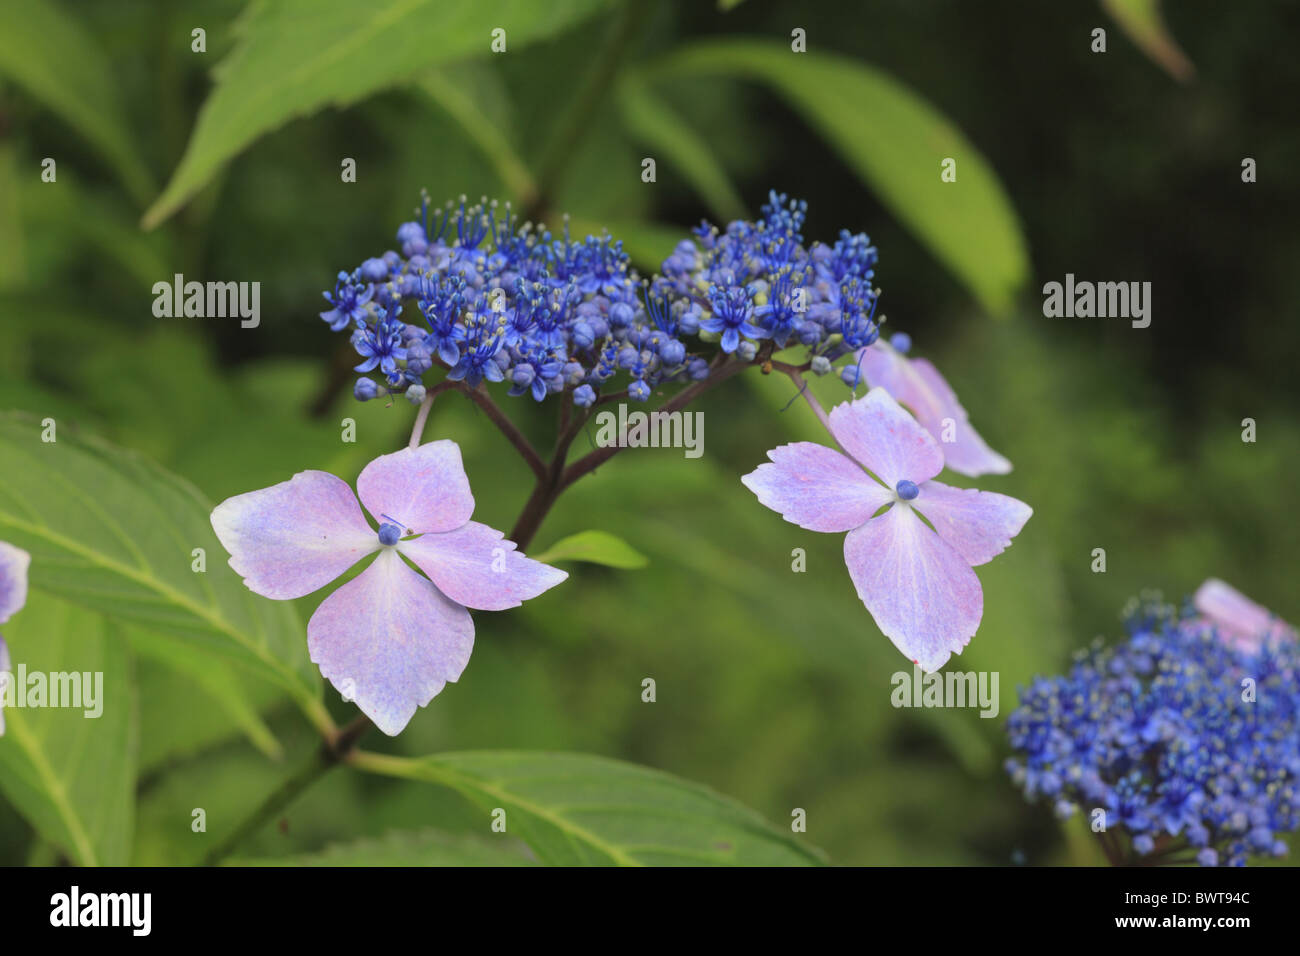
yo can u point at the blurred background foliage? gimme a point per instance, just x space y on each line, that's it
773 687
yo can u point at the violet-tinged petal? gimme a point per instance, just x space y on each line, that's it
295 537
978 524
475 566
1237 618
424 488
922 593
881 435
389 640
919 385
14 562
816 487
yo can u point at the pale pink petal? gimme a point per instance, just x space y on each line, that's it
295 537
979 524
1237 618
920 386
422 489
14 562
389 640
475 566
922 593
882 436
816 487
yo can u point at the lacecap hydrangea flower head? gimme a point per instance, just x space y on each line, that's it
470 296
1185 737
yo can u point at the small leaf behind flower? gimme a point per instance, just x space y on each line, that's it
594 547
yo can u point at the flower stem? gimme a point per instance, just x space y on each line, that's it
332 751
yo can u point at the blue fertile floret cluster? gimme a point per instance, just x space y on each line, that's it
485 298
1185 741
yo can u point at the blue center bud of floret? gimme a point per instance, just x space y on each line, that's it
389 534
907 490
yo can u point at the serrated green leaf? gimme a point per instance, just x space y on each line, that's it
72 776
577 810
296 57
113 532
895 141
50 55
594 547
420 848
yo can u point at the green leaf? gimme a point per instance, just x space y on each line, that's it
227 690
576 810
651 120
1142 22
296 57
895 141
111 531
72 776
420 848
49 54
476 99
594 547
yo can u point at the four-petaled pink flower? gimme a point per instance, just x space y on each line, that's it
390 638
913 575
918 385
14 562
1237 619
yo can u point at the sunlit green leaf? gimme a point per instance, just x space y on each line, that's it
111 531
72 776
594 547
296 57
573 809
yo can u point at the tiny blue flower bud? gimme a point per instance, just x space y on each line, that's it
583 335
747 350
523 375
851 375
374 270
901 341
638 391
907 490
389 534
698 369
365 390
584 396
672 353
1143 844
821 365
621 315
415 394
1207 857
